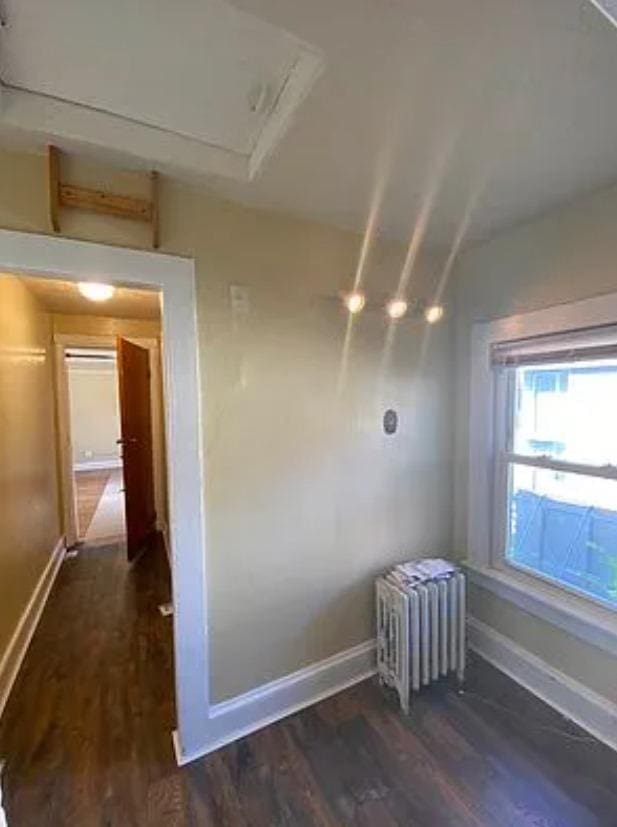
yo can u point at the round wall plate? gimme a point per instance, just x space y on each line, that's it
390 421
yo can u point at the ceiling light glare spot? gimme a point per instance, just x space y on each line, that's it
354 302
95 291
433 313
396 308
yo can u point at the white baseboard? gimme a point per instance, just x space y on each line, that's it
98 465
18 645
239 716
568 696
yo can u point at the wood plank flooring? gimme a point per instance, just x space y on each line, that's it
89 487
86 736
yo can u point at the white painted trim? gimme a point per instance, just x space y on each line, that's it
608 9
98 465
593 312
3 821
272 701
66 121
64 451
69 121
66 259
583 619
301 80
593 712
481 448
15 652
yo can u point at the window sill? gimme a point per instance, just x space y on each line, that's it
585 620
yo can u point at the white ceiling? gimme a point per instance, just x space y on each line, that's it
63 297
506 103
424 107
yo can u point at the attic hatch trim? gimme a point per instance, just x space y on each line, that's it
63 120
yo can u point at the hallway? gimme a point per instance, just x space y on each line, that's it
87 730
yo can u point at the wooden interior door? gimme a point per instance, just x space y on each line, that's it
136 441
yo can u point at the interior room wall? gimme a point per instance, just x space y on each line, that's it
84 325
95 416
306 498
563 256
29 515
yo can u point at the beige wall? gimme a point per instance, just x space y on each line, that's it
105 326
29 521
95 417
306 498
567 255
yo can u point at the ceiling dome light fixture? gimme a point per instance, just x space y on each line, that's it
354 302
433 313
95 291
396 308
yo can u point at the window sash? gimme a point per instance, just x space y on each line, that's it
574 346
503 417
607 471
501 528
504 435
504 458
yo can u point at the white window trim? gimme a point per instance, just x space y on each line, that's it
576 614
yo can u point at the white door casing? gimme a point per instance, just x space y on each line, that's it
174 276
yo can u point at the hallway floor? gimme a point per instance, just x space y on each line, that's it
100 505
89 487
86 737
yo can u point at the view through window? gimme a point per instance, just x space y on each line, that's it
561 457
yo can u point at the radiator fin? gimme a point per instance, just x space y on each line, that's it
420 632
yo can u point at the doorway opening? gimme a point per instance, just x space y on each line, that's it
109 409
94 410
170 282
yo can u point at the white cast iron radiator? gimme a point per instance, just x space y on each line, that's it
420 625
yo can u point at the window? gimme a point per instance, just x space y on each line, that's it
556 459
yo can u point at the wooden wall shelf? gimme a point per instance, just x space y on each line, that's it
71 196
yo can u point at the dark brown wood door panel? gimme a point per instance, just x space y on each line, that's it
136 429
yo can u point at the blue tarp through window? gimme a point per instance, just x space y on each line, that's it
573 544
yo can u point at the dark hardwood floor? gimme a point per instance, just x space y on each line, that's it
86 737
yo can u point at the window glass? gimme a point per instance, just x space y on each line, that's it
567 411
564 526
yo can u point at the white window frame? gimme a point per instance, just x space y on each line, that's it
504 458
569 609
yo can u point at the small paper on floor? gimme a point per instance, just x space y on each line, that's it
166 609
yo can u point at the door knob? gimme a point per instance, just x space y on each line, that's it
130 441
